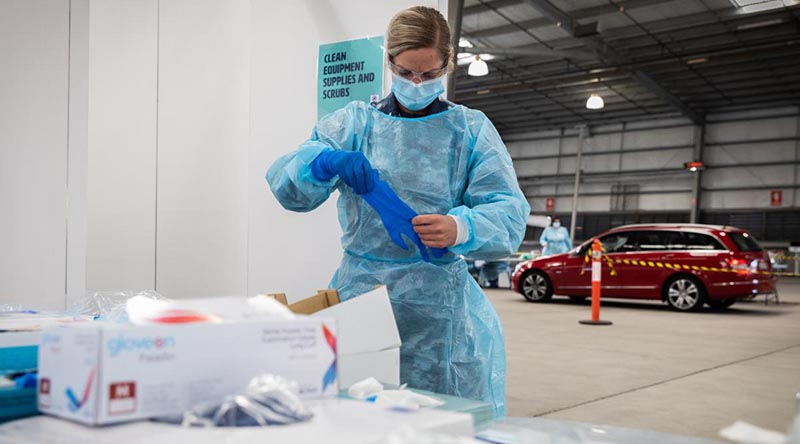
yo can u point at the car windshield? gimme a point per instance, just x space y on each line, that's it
744 242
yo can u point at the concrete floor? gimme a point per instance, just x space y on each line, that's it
682 373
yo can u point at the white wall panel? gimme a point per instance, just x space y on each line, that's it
536 167
601 163
666 137
533 148
121 180
290 252
665 202
753 114
750 130
646 125
78 150
204 105
585 204
34 63
749 153
748 176
742 199
763 125
602 142
651 160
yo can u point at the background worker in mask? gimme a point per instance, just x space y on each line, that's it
555 239
449 165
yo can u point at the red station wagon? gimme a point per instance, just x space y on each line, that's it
696 249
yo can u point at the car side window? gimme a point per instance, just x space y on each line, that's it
673 240
650 241
617 242
659 240
697 241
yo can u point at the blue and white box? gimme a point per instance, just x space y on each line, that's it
99 373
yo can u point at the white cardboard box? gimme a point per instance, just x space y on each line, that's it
99 373
382 365
369 342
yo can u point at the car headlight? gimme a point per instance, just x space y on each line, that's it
519 265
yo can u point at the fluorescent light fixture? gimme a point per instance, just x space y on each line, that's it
464 43
751 6
595 102
478 67
483 91
760 24
697 60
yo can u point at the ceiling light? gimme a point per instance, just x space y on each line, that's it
697 60
478 67
760 24
483 91
464 43
595 102
470 57
751 6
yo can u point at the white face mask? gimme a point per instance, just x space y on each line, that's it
556 224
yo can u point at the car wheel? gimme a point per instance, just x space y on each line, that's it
721 305
577 299
536 287
684 293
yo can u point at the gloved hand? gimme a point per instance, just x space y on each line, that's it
396 217
352 167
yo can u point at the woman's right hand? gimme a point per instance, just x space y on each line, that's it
351 166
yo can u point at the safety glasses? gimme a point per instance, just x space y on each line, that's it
409 74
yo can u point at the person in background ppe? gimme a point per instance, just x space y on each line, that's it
555 239
448 163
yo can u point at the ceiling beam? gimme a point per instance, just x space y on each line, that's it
481 7
577 14
533 51
608 55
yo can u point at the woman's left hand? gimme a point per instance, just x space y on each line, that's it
436 230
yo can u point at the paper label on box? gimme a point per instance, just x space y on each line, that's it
44 392
122 398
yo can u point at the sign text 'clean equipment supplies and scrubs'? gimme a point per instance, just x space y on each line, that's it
347 71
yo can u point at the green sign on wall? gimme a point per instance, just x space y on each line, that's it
347 71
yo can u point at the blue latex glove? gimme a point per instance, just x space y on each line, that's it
351 166
26 381
396 217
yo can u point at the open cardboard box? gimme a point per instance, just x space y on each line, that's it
368 340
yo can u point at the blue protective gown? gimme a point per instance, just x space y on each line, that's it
452 162
557 240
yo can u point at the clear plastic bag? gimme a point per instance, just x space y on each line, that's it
109 305
269 400
16 308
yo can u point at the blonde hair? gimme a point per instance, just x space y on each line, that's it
419 27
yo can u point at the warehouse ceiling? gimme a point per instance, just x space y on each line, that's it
646 58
